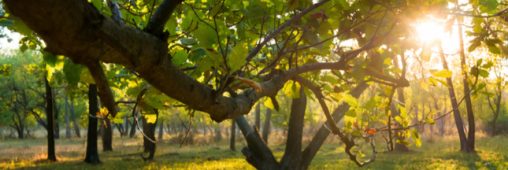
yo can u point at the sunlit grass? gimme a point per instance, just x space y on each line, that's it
439 154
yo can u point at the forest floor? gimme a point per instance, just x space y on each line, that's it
439 154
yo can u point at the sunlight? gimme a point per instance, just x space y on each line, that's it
429 30
432 31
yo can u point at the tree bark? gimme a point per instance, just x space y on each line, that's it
323 132
467 92
75 123
107 136
257 116
161 130
257 152
232 137
400 147
56 111
50 120
455 106
266 124
293 152
134 125
92 154
149 137
79 31
67 118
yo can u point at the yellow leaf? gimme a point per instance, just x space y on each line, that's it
443 73
269 104
103 112
151 118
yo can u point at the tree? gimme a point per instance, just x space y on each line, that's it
50 120
92 155
222 57
149 124
232 136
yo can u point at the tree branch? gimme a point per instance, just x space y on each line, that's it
286 24
156 24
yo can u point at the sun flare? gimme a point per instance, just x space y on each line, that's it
433 31
429 30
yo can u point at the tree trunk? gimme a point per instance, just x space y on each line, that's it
92 154
126 126
149 137
161 130
218 134
67 118
323 132
134 125
50 120
232 137
266 125
257 116
293 152
400 147
74 117
470 147
456 113
257 152
107 135
57 113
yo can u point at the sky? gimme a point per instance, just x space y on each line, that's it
5 45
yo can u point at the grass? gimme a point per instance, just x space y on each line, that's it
492 153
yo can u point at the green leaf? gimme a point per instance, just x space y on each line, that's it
237 58
49 58
494 49
443 73
206 36
350 100
483 73
72 72
188 41
179 58
488 5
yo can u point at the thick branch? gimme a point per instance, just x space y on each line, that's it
161 16
105 93
76 29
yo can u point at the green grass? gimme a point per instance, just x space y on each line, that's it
440 154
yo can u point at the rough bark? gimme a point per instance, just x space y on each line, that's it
92 154
257 152
75 29
293 152
50 120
